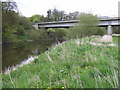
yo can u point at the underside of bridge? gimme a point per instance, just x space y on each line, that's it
54 27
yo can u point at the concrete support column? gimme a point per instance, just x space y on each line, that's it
35 26
110 30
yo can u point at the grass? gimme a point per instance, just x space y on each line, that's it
71 64
116 39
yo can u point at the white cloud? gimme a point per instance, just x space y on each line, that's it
100 7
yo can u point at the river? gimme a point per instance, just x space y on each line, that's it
15 53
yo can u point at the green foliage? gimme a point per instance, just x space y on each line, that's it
61 32
87 26
57 33
36 18
116 39
88 20
9 35
116 30
32 34
13 24
9 19
75 32
23 21
51 30
21 38
43 34
100 31
56 15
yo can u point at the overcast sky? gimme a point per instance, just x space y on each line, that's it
99 7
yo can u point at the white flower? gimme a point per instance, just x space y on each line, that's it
61 70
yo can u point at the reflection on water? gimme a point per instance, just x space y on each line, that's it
15 53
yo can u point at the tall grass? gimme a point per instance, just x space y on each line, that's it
71 64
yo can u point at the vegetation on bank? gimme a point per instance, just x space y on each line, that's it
71 64
14 25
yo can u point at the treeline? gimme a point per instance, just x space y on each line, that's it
14 26
54 15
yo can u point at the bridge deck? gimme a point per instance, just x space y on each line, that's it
56 24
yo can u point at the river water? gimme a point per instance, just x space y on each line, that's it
15 53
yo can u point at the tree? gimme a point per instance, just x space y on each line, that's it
10 6
88 23
87 26
55 15
36 18
61 15
13 25
49 15
9 21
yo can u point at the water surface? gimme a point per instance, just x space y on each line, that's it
15 53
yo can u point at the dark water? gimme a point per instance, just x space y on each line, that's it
15 53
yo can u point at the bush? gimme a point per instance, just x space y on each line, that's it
9 35
32 34
73 33
57 33
100 31
61 32
116 30
43 34
87 26
51 30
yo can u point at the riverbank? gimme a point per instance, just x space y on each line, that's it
15 67
72 64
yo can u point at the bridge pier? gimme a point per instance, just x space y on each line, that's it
35 26
109 30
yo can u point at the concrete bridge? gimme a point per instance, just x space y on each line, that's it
107 22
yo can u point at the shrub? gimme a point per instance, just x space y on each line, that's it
57 33
100 31
43 34
116 30
87 26
61 32
8 35
32 34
